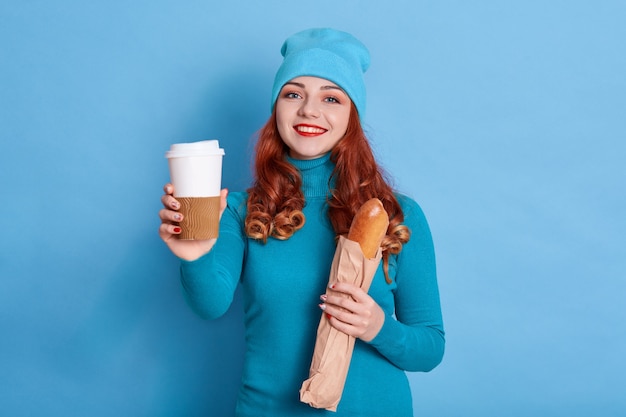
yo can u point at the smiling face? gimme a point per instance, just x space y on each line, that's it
312 115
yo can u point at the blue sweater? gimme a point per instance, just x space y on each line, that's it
282 282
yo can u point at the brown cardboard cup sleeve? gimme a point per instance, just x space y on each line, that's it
333 349
201 217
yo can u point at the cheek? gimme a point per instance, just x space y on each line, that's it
281 123
341 121
282 133
283 129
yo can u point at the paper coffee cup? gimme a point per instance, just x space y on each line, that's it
196 174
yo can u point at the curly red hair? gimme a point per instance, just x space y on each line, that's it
275 200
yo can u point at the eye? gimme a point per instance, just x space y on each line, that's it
291 94
331 99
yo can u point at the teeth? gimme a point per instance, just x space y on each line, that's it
308 129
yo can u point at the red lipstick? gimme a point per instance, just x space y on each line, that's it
309 130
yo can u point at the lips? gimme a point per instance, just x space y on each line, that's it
309 130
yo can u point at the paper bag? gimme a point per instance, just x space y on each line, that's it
333 349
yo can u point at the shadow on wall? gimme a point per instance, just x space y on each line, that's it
142 351
233 109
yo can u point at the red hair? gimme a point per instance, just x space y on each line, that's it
275 200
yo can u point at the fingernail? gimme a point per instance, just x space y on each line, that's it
175 206
323 297
178 217
177 230
332 286
328 316
322 306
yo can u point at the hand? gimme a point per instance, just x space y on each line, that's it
168 230
351 310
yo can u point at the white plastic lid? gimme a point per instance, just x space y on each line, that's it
202 148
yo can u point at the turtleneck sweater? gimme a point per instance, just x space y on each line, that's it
281 283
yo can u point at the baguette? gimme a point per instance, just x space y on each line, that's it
369 227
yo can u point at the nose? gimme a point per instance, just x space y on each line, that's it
309 108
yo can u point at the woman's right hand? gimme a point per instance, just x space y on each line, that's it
189 250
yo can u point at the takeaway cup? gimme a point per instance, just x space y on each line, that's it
196 173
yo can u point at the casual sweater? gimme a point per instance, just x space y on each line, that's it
282 281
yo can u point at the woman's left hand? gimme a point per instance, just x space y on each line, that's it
351 310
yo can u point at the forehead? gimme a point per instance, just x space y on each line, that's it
313 83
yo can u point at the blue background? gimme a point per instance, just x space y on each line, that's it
505 120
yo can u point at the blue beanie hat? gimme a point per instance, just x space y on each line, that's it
325 53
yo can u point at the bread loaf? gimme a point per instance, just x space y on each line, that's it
369 226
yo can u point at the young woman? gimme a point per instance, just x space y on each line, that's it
313 169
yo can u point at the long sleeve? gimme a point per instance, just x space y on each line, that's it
209 283
414 339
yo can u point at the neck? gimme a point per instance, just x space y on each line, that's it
315 175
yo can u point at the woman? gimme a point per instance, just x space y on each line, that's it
313 169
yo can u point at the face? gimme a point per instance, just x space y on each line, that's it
312 116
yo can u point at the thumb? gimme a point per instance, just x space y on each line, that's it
223 204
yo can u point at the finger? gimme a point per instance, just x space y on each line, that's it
170 202
166 229
337 312
351 323
223 203
345 303
349 289
344 308
170 216
168 189
337 300
340 301
352 317
341 326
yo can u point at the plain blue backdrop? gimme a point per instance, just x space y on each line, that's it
505 120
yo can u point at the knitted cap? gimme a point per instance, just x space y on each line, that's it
325 53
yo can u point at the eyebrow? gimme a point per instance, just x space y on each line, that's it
324 87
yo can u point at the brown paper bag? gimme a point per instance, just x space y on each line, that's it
333 349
